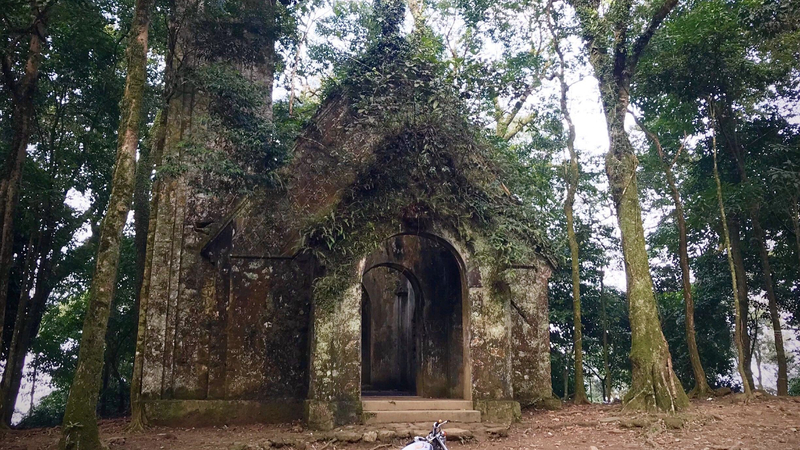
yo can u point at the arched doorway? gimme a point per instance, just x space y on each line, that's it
413 317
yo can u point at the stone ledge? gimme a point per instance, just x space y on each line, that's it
198 413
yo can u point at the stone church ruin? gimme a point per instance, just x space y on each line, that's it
390 261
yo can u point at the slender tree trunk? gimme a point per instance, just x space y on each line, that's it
603 387
701 387
141 212
739 328
795 212
758 366
12 377
22 117
783 378
572 178
614 46
742 292
120 387
12 359
566 376
33 385
756 352
726 122
142 216
29 315
80 421
604 318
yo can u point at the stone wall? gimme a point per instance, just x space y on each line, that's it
239 330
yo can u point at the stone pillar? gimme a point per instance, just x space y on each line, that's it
490 349
334 395
530 333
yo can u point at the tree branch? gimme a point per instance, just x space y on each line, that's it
643 39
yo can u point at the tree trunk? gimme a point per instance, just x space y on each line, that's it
604 316
741 293
701 387
33 385
795 212
572 179
726 122
614 50
654 385
758 366
739 329
21 341
29 316
23 109
80 421
12 359
566 376
783 378
141 210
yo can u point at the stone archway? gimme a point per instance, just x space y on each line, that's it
413 319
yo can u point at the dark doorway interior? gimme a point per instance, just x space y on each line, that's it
388 333
412 320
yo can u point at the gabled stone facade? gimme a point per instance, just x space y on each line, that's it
251 317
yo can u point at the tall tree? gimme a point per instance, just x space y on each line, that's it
614 48
726 123
80 422
701 387
737 306
743 56
572 177
20 68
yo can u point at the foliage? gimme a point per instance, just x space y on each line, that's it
430 153
248 147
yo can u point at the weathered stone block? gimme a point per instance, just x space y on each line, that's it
499 411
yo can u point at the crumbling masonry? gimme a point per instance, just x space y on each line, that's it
258 312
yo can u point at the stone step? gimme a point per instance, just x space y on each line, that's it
416 404
459 415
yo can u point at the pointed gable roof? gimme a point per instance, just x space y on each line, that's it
389 143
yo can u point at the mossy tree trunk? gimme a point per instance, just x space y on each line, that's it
795 212
604 318
742 291
653 382
725 121
614 48
701 387
79 430
572 177
22 92
738 330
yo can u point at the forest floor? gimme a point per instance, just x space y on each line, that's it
716 424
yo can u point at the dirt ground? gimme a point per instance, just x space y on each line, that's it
721 423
